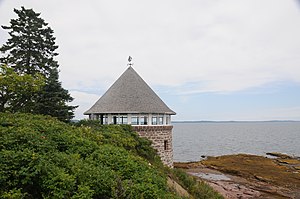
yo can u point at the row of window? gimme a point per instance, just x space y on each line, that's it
135 120
155 120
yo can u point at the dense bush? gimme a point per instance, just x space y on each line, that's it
122 136
41 157
198 189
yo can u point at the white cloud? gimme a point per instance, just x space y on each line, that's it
173 42
84 100
217 46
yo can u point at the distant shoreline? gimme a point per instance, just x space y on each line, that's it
203 121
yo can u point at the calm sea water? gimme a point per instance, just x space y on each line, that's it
191 140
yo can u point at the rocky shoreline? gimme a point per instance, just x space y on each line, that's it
249 176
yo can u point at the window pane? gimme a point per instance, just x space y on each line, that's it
115 119
144 120
105 119
123 119
166 144
154 120
161 120
134 120
168 119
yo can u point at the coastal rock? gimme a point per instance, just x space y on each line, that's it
249 176
232 190
279 155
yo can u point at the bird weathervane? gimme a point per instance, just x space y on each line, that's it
129 60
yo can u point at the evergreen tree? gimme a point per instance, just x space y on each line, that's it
52 99
31 46
31 50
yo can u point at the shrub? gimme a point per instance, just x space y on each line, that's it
41 157
198 189
122 136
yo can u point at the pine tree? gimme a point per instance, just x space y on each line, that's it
31 46
30 50
52 99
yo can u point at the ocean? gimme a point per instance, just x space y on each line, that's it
193 140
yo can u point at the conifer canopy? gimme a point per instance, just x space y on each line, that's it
31 50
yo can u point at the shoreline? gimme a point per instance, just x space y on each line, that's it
275 175
271 155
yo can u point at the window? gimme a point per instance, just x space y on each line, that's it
144 120
166 144
168 120
103 119
161 120
154 120
123 119
115 119
134 120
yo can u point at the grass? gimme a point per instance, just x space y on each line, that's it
198 189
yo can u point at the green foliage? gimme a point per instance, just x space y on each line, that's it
198 189
13 194
30 50
123 136
17 90
41 157
31 46
53 98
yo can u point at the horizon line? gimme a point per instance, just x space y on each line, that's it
220 121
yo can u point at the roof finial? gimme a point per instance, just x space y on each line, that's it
129 60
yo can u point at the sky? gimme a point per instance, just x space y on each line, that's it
207 59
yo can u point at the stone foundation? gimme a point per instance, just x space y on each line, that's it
161 137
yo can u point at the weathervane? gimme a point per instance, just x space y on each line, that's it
129 60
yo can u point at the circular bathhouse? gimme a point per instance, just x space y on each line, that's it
131 101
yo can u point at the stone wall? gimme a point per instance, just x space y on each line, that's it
161 137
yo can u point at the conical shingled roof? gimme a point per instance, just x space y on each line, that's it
130 94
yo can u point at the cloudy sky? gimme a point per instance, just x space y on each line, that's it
207 59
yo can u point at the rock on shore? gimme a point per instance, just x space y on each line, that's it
249 176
